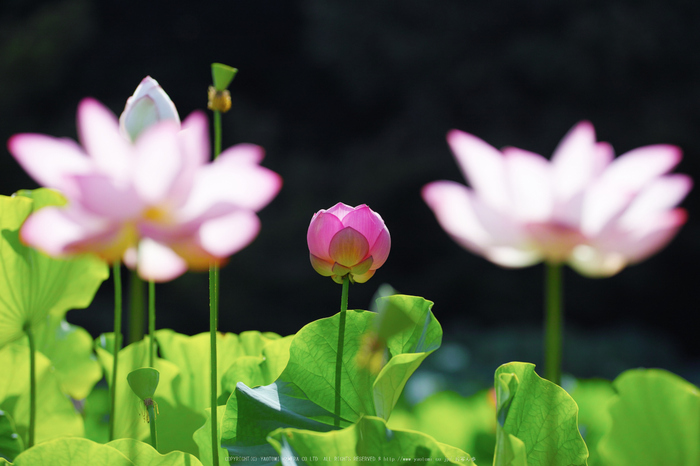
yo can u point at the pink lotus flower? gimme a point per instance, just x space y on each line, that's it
156 202
346 240
148 106
584 208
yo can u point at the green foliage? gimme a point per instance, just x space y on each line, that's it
33 285
368 441
122 452
593 398
303 396
655 420
10 442
537 420
468 423
56 415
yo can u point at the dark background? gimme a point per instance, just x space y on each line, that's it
352 100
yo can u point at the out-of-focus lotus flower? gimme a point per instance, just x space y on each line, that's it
344 240
148 106
155 202
584 207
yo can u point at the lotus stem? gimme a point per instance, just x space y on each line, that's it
152 323
32 386
553 326
116 274
341 345
136 308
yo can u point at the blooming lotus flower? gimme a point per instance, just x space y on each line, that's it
348 241
148 105
584 207
156 203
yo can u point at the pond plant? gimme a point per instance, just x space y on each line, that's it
140 191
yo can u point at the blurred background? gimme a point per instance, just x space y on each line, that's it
352 101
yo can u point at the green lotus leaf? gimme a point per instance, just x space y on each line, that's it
202 438
33 285
368 441
69 347
80 452
593 397
304 395
468 423
537 420
96 414
10 442
144 454
56 415
655 420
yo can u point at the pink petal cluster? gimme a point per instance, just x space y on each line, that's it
348 241
583 207
155 202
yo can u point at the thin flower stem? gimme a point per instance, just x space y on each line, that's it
553 326
32 386
152 423
116 274
151 323
213 324
136 308
341 344
214 319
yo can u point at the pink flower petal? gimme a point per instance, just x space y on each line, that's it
159 163
662 194
50 230
247 154
452 204
380 249
340 210
578 160
348 247
596 263
50 161
365 221
194 136
322 229
483 166
364 277
530 180
100 196
100 136
654 236
159 263
227 235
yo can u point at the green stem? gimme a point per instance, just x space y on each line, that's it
214 319
341 344
117 277
136 308
151 323
213 325
152 423
553 327
32 386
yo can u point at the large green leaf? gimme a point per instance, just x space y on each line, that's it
56 415
33 285
191 354
69 348
304 395
10 442
537 420
655 420
81 452
468 423
593 397
368 441
202 437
